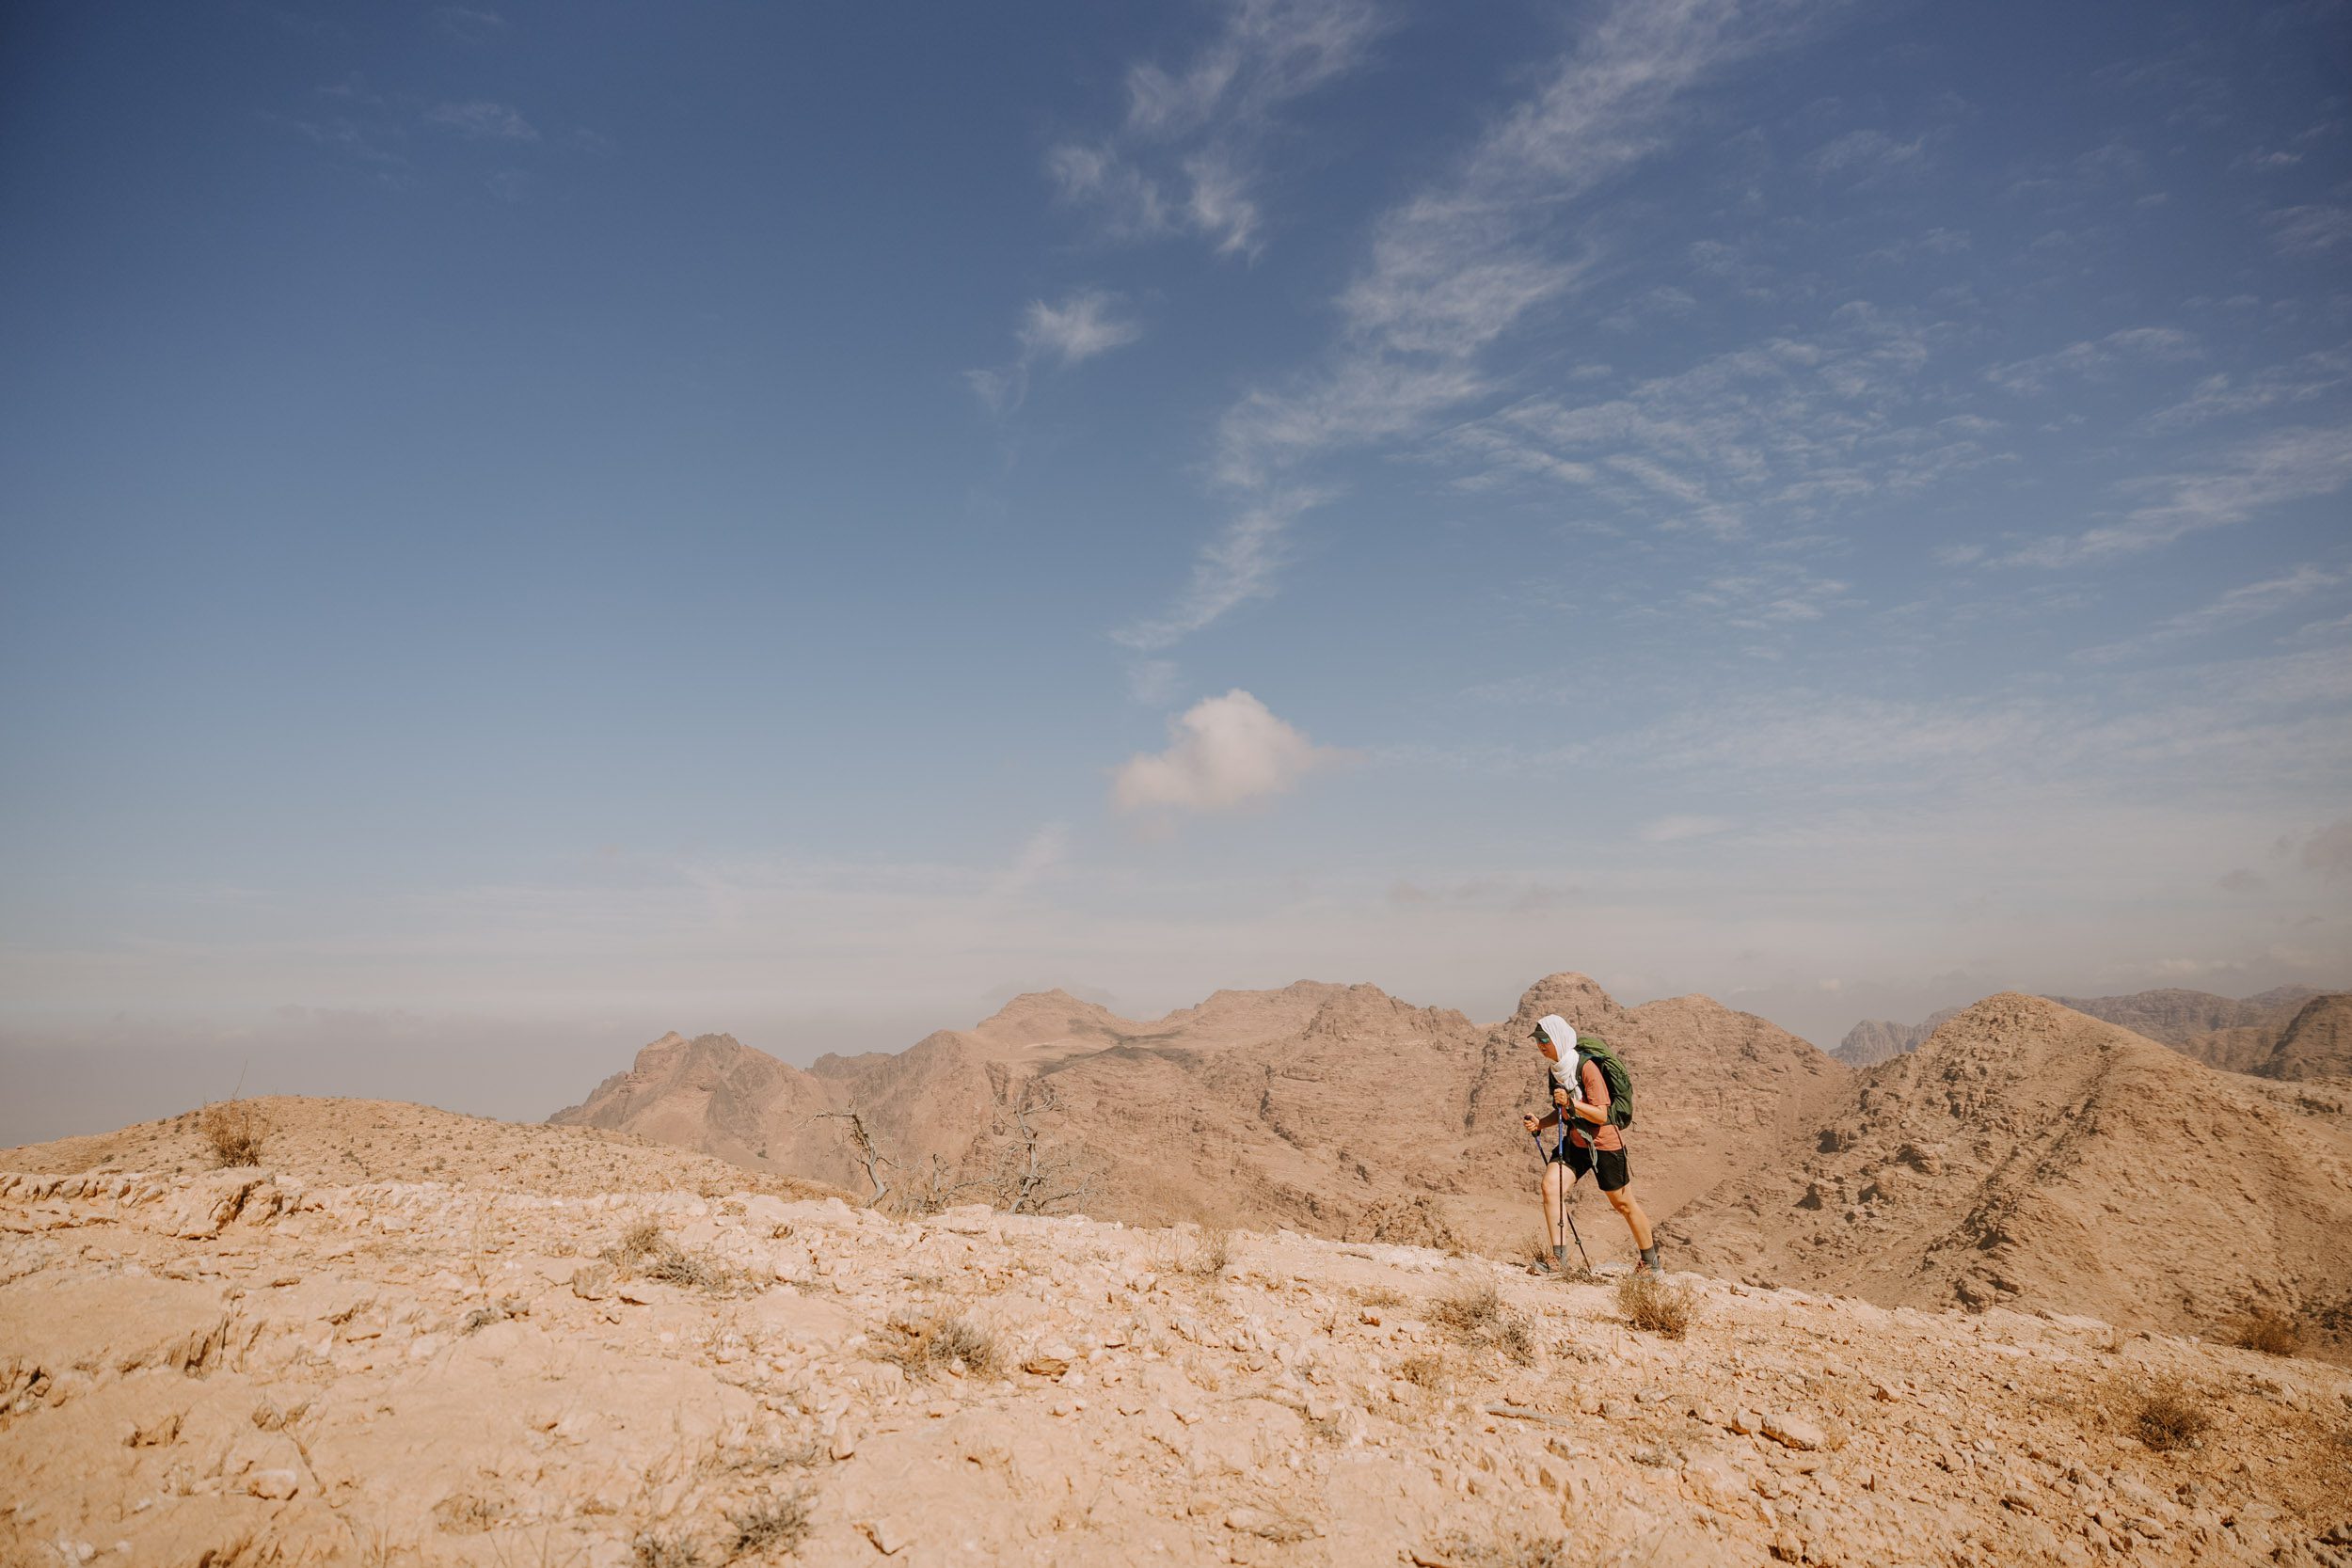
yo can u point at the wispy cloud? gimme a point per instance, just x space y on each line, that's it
1674 829
483 121
2308 377
1868 157
2030 377
1044 854
1800 424
2251 601
1450 270
468 26
1185 158
2311 231
2267 470
1223 754
1082 325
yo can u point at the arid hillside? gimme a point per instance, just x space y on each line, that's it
1337 1109
2028 1154
242 1366
2236 1035
2316 1042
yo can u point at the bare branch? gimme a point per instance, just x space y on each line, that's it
867 1154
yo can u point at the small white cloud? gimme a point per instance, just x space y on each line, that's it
1224 753
483 121
1081 326
1085 324
1674 829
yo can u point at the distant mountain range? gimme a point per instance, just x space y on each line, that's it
2023 1151
1337 1109
2236 1035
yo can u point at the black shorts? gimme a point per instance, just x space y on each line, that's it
1614 1173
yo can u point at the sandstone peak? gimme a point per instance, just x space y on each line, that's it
1579 998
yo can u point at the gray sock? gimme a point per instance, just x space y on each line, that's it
1649 1256
1560 1255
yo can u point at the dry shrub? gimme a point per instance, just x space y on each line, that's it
467 1513
1649 1302
234 1131
1510 1549
2271 1333
2167 1416
647 1250
1381 1295
493 1312
1211 1251
1423 1371
775 1522
1468 1308
926 1347
1474 1313
664 1549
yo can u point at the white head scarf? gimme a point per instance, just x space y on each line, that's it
1560 1032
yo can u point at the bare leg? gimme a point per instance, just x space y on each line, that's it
1622 1201
1555 1212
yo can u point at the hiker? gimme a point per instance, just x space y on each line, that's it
1591 1119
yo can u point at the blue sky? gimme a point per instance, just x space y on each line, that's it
560 523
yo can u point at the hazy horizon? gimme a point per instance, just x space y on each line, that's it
524 528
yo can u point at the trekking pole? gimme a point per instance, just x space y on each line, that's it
1543 1163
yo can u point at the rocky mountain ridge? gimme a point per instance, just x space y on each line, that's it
2236 1035
1338 1109
2031 1154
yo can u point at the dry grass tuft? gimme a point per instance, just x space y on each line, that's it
2271 1333
940 1344
2166 1416
1474 1313
775 1522
1381 1295
1467 1309
664 1549
647 1250
1423 1371
1650 1304
234 1131
1211 1252
1508 1550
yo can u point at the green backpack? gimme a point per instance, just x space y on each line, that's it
1592 1048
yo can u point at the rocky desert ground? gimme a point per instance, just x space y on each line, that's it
500 1345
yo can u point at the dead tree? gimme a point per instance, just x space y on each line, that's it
1035 1174
862 1142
